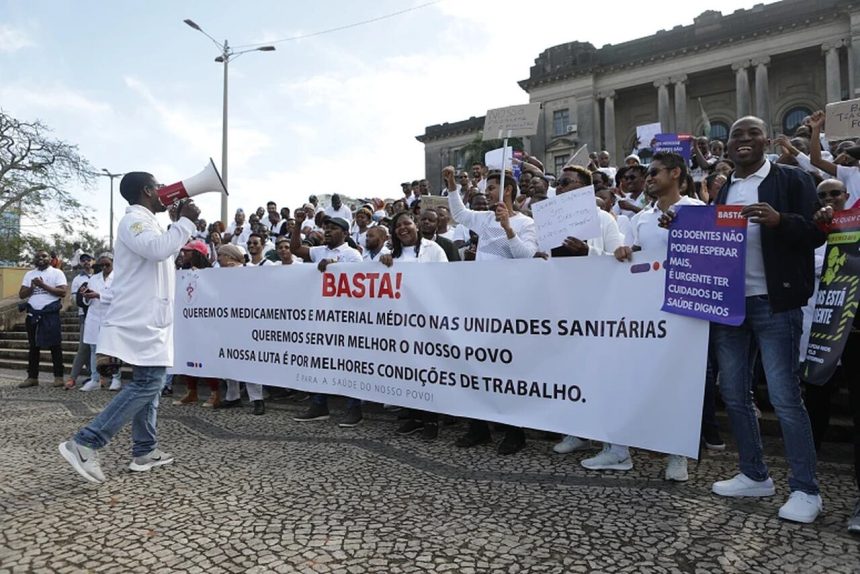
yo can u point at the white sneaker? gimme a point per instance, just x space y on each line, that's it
742 485
608 460
676 468
91 385
115 384
83 459
148 461
801 507
571 443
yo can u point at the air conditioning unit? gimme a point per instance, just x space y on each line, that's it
571 128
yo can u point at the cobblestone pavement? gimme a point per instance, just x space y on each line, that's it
266 494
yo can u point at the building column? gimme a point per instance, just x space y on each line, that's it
762 89
742 87
682 122
585 121
609 122
662 86
597 126
832 70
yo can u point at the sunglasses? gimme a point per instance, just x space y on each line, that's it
832 193
654 171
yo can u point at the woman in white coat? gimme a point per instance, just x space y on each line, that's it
98 296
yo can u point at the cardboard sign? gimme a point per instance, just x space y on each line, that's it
843 120
512 121
571 214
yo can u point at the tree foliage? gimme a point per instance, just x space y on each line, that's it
476 149
38 172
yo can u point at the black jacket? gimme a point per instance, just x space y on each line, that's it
788 249
448 247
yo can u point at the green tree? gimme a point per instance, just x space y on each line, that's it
38 173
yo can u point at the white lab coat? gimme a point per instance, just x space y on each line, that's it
138 326
98 307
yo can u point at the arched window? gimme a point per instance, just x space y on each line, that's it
719 131
793 118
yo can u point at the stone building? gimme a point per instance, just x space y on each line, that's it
778 61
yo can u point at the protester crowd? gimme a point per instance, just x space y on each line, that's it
789 189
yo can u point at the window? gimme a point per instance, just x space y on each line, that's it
719 131
558 162
560 121
793 118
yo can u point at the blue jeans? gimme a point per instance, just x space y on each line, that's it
136 402
778 337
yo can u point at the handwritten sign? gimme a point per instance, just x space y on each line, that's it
570 214
512 121
706 263
843 120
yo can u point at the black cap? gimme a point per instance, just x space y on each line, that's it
339 221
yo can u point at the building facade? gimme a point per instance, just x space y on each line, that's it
779 61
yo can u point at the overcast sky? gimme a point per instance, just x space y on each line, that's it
136 89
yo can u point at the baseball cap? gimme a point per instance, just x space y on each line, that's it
339 221
198 246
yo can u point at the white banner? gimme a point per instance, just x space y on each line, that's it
573 345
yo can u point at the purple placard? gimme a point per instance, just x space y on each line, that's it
681 144
705 264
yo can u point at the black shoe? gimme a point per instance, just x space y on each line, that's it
430 432
712 439
469 440
410 426
259 407
229 404
511 444
297 396
314 413
352 419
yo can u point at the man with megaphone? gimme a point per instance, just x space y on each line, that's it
138 327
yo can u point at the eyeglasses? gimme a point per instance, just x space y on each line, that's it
654 171
829 192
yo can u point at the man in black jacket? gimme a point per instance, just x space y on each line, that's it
428 226
779 202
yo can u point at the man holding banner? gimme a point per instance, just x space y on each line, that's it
778 202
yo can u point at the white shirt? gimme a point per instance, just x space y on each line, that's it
493 242
366 255
52 277
341 254
461 233
450 234
647 232
79 280
642 202
744 192
138 327
805 163
429 252
343 212
626 229
850 176
610 237
98 307
242 238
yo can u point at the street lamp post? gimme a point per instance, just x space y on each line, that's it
112 176
227 54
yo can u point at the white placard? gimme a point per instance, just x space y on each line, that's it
580 158
493 158
582 357
570 214
512 121
646 134
842 120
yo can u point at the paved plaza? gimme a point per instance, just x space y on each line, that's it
266 494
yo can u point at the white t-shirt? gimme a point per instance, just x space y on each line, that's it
430 252
647 233
343 212
52 277
341 254
450 234
642 202
626 229
744 192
